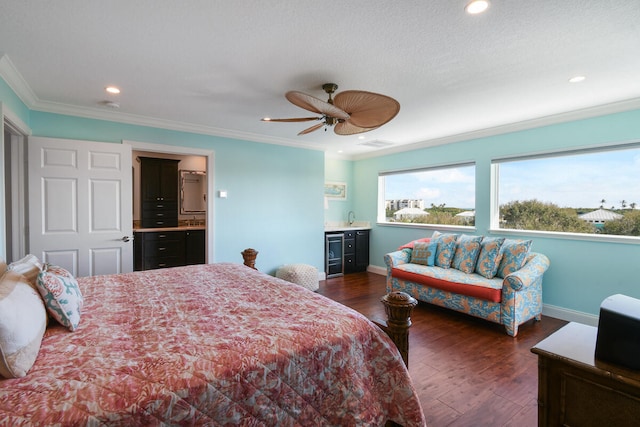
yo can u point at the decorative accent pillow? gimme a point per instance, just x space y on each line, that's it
413 242
466 254
514 255
424 253
61 295
489 257
23 321
446 248
29 266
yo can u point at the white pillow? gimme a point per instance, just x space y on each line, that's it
23 320
29 266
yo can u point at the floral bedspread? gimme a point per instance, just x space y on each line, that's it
214 345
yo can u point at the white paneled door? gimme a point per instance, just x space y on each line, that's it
80 205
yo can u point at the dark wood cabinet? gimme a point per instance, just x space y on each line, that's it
161 249
195 241
346 252
362 250
159 192
575 389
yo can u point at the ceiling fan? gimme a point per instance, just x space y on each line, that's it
350 112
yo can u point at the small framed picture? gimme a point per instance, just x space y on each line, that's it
335 190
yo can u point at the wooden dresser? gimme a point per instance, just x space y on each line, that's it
576 390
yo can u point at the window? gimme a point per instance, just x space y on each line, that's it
588 191
442 195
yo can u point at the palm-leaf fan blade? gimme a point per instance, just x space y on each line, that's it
367 109
311 129
297 119
311 103
348 128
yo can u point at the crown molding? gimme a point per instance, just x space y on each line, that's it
569 116
22 89
16 82
134 119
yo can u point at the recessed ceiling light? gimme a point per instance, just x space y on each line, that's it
112 89
577 79
476 6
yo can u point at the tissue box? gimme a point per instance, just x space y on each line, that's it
618 341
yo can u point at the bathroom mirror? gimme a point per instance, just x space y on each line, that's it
193 192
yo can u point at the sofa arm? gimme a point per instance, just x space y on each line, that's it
527 275
396 258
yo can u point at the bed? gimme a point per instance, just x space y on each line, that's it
217 344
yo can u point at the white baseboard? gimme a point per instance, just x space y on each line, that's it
377 270
570 315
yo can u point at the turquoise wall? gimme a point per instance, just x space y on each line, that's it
339 170
582 272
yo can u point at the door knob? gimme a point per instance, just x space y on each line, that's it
126 239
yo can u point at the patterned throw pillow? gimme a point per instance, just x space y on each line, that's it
61 295
446 248
23 321
490 256
424 253
466 253
514 255
413 242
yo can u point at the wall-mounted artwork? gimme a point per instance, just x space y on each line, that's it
335 190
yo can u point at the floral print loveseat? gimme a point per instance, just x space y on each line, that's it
493 278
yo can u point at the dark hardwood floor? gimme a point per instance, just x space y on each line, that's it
467 371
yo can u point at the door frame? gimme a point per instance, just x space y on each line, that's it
189 151
9 121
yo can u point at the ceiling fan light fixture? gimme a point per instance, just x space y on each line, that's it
476 6
349 113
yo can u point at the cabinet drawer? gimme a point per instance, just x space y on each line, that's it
164 235
349 234
153 263
160 206
349 246
163 249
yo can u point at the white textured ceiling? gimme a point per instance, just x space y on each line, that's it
217 67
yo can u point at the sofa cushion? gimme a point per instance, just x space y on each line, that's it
514 256
466 253
489 257
451 280
446 248
424 253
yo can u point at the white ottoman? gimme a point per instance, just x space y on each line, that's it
301 274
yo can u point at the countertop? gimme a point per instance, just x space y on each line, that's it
343 226
180 228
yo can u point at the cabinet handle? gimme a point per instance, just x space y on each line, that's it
159 214
159 222
161 236
159 206
162 249
162 264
